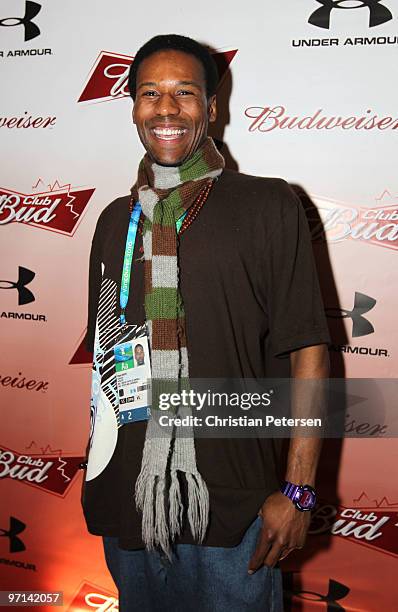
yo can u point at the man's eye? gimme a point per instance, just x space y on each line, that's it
184 92
149 93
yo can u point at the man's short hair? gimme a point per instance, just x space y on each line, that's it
175 42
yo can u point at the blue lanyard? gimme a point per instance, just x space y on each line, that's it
128 256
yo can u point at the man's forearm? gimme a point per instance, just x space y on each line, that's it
309 367
303 460
284 528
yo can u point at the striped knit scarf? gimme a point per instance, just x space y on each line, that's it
165 193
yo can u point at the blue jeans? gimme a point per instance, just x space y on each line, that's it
200 578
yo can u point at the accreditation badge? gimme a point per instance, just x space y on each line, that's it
133 379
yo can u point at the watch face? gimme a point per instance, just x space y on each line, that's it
307 499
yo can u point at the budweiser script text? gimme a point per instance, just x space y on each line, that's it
117 75
269 118
27 121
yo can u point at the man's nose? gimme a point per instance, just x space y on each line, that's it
167 105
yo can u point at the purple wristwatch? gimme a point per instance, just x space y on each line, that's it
302 496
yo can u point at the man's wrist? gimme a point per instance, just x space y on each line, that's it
303 496
301 472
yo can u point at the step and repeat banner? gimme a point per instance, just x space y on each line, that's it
308 93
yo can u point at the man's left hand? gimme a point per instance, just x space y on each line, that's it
284 529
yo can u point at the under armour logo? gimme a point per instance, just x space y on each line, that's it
336 591
360 325
378 13
31 29
16 527
25 276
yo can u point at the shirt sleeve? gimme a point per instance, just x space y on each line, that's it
94 285
294 303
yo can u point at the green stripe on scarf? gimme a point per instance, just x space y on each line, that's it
190 173
171 210
162 303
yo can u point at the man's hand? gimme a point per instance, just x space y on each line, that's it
284 529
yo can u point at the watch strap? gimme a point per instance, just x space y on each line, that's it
292 491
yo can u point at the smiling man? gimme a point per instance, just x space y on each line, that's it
213 271
172 135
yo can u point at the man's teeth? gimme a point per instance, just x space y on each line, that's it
168 132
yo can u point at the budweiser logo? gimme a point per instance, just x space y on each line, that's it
52 472
335 222
109 75
268 118
92 597
59 209
373 526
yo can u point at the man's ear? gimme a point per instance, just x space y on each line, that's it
132 115
212 109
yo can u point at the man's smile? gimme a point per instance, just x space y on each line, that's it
169 134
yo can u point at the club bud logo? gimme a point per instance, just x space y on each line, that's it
374 525
378 13
51 472
25 276
335 222
93 597
15 528
31 30
360 325
109 75
59 209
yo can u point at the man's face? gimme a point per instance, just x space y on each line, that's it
139 354
171 109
